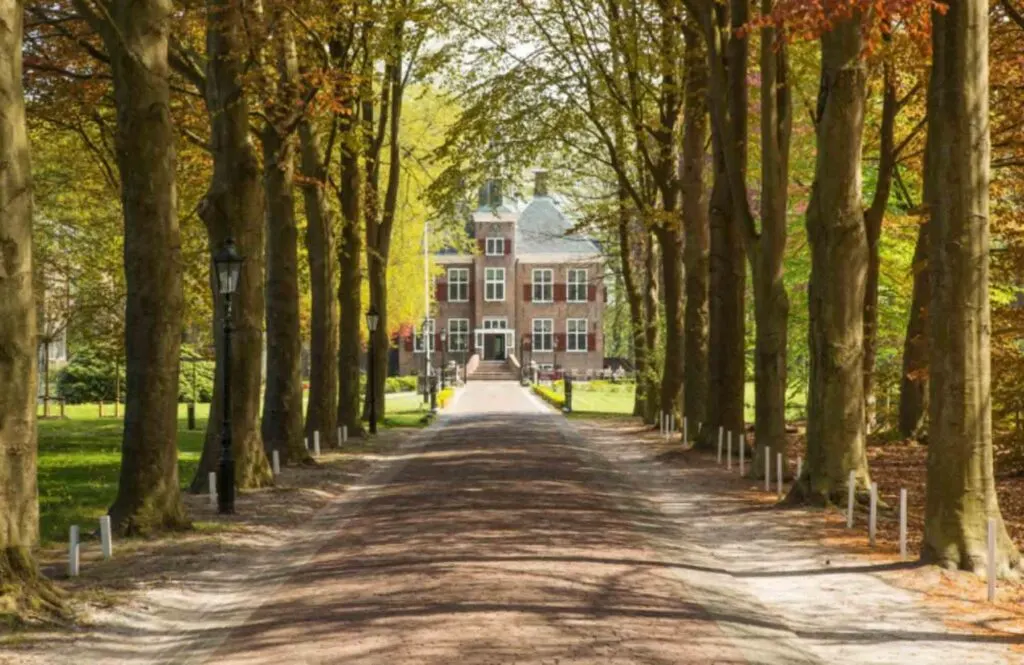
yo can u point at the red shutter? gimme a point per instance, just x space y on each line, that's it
409 342
441 291
559 341
508 246
591 341
482 243
527 292
591 293
560 292
606 294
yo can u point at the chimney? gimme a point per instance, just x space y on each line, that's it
540 183
490 194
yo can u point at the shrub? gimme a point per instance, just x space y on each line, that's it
398 384
89 377
550 396
444 396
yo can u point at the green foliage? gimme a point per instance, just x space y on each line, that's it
400 384
198 371
92 375
550 395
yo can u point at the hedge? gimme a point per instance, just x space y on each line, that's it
444 396
399 384
550 396
89 377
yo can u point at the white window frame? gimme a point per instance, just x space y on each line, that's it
460 332
540 284
497 281
579 284
418 338
495 246
455 284
538 335
572 336
490 321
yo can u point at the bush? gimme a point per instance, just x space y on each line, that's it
444 396
89 377
398 384
550 396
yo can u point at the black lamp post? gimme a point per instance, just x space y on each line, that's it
228 265
372 319
426 363
444 354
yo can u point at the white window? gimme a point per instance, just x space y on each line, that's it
458 284
428 332
494 284
495 323
458 334
543 334
576 334
543 280
577 291
495 247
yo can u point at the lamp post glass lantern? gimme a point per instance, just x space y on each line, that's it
228 267
372 319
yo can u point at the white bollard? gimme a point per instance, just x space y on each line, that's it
106 544
991 558
73 552
671 423
799 466
686 431
305 442
903 523
211 479
873 516
721 431
778 472
339 437
344 433
728 452
742 453
276 458
767 469
851 489
316 443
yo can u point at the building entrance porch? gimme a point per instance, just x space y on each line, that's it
495 343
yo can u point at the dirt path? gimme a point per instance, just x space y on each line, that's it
506 534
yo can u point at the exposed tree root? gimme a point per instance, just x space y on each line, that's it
26 597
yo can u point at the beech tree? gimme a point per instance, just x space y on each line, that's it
961 494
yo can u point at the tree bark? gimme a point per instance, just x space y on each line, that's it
349 276
321 413
651 330
282 399
961 493
767 258
839 257
148 494
873 218
671 243
914 378
233 208
628 256
698 234
19 506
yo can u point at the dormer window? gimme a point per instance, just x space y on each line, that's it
495 247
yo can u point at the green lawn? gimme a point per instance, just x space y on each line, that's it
80 459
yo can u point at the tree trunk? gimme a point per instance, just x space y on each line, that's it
698 234
873 218
282 400
321 414
727 351
961 492
148 494
350 277
914 378
635 297
651 329
771 303
670 240
839 257
19 506
233 208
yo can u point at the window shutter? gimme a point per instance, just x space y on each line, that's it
409 342
591 341
527 292
441 291
508 246
591 293
560 292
